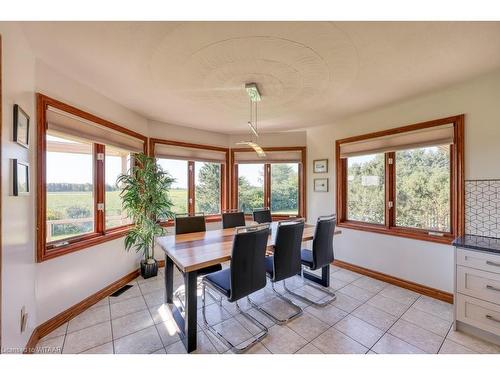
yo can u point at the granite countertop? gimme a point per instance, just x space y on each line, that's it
486 244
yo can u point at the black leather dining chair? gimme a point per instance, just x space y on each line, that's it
245 275
233 219
320 256
284 263
262 215
185 223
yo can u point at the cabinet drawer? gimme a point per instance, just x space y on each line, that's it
479 284
478 313
478 260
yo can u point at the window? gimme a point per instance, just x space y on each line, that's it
275 181
200 176
423 188
70 188
365 188
207 181
117 162
406 181
178 169
285 189
250 187
79 157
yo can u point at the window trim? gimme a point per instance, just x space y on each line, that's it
267 179
224 199
100 234
457 194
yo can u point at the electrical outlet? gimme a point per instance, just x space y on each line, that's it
24 319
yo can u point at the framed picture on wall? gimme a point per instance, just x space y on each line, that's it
320 166
21 178
321 185
21 126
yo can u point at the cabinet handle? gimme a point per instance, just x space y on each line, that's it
490 263
492 318
492 288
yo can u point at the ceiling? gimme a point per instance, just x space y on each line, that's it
309 73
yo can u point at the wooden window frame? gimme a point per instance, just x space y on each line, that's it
457 194
46 251
224 188
267 179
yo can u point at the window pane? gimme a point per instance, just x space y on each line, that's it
285 189
423 188
117 163
178 169
365 188
207 187
250 187
70 187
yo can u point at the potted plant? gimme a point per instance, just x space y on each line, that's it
145 197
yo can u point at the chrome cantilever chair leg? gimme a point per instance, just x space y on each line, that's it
322 289
298 310
257 338
180 295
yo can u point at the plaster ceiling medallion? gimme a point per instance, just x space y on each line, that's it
207 68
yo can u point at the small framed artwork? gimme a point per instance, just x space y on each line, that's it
21 126
321 185
21 178
320 166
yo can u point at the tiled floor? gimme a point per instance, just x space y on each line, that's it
369 316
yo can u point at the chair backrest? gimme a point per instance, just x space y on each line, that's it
190 224
322 251
233 219
248 272
287 249
262 215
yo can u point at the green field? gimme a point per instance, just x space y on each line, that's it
60 202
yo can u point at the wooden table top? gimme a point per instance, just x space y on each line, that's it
193 251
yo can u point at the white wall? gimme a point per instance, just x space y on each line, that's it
422 262
18 213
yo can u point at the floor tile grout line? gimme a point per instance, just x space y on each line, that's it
329 326
401 318
397 320
64 339
444 339
152 319
111 322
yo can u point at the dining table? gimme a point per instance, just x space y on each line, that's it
191 252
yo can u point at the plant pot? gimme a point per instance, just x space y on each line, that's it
149 268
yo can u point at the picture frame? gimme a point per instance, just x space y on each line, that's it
321 185
320 166
21 178
21 126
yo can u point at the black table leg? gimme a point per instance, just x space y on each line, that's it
323 280
169 279
187 322
190 311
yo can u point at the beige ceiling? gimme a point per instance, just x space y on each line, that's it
309 73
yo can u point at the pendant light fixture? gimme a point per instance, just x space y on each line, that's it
254 95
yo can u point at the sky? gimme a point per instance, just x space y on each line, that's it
77 168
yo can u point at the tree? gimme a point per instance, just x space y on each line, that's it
249 197
422 187
207 191
284 188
